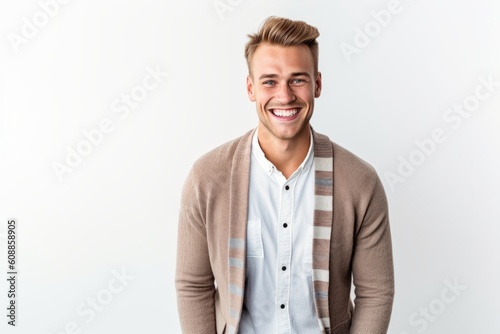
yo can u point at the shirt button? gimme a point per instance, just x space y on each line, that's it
285 225
283 268
282 305
287 187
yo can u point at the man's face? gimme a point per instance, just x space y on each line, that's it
283 86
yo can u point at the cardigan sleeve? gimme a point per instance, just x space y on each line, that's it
194 277
372 265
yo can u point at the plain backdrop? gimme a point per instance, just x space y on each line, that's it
66 69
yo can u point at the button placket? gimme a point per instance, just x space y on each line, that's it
284 257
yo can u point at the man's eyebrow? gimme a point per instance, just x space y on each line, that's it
294 74
267 76
299 74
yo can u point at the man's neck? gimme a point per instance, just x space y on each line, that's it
286 155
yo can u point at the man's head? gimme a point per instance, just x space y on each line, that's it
283 77
283 32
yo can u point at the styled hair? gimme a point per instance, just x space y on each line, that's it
284 32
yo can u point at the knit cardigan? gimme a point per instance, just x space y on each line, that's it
351 242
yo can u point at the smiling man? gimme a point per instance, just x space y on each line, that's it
277 225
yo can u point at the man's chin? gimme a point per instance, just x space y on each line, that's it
289 134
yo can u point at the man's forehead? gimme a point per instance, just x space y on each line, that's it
276 59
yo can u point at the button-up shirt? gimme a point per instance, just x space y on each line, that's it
278 289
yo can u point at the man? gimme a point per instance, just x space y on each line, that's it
274 224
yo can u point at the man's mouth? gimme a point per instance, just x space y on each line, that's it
285 112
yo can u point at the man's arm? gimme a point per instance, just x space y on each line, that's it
194 276
372 267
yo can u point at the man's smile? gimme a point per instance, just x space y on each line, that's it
285 113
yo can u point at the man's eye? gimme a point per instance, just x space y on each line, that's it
298 81
269 82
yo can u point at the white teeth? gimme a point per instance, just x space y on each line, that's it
286 112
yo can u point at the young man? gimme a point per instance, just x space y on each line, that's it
275 224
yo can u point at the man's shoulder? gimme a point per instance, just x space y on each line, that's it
348 167
350 162
223 156
225 151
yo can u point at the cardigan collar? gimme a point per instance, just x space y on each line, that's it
323 219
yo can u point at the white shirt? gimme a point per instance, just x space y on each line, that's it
278 289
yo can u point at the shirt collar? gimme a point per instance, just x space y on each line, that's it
268 166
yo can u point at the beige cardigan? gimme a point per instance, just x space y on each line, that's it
350 205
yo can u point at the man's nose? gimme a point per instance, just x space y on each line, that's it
285 94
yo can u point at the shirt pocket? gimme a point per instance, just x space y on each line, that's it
255 247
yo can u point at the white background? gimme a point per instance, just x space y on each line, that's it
117 209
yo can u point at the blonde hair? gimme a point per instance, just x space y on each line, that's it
284 32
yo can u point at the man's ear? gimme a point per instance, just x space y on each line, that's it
318 85
250 89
